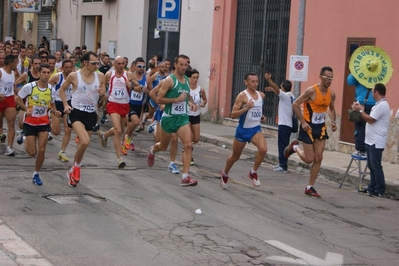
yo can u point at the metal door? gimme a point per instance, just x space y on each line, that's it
43 26
156 46
261 45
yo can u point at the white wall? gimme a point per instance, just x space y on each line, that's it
196 37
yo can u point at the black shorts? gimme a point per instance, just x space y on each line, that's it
135 110
60 107
318 132
89 120
194 119
30 130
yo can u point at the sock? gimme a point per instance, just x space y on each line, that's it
224 174
35 172
171 162
295 147
184 175
252 171
61 151
151 151
77 165
308 187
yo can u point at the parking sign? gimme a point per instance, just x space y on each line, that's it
168 10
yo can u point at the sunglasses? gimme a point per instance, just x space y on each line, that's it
329 78
140 66
44 57
94 63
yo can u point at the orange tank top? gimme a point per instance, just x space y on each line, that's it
314 112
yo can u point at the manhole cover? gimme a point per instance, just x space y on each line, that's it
70 199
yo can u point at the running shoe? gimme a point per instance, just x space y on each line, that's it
126 142
3 138
50 136
132 146
280 169
103 141
173 168
192 161
9 152
188 182
359 154
71 181
152 126
62 156
290 148
96 128
150 157
36 180
312 192
254 179
121 163
275 167
223 180
123 150
20 138
103 119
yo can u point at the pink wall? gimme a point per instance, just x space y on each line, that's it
222 59
328 24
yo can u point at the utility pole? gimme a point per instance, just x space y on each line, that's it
299 41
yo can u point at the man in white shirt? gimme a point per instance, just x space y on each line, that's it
376 137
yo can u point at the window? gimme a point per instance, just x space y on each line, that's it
89 1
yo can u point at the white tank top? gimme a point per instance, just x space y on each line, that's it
7 83
118 91
196 96
56 89
254 115
85 97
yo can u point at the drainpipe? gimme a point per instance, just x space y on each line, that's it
299 41
9 18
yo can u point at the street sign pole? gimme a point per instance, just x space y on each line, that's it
165 52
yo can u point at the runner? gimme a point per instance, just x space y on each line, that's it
198 97
248 108
174 93
7 100
137 99
87 87
120 82
27 77
56 81
38 97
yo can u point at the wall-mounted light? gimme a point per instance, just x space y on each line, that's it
28 25
48 25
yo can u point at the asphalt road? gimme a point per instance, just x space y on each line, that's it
141 215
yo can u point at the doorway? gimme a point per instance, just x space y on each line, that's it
347 127
92 32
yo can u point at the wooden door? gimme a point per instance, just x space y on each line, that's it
348 96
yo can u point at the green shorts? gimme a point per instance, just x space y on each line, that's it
170 124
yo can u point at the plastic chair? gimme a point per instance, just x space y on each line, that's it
358 160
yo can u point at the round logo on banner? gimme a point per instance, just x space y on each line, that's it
299 65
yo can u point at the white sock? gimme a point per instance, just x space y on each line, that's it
35 172
184 175
308 187
171 162
252 171
77 165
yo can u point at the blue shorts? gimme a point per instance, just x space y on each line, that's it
246 134
152 103
158 114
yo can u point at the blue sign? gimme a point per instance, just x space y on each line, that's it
168 10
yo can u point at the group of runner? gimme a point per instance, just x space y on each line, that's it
47 95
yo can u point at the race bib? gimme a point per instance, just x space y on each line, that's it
255 114
7 90
318 118
118 93
179 108
39 111
136 96
87 107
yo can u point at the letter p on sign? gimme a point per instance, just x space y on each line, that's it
168 9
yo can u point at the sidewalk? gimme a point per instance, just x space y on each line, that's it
333 167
